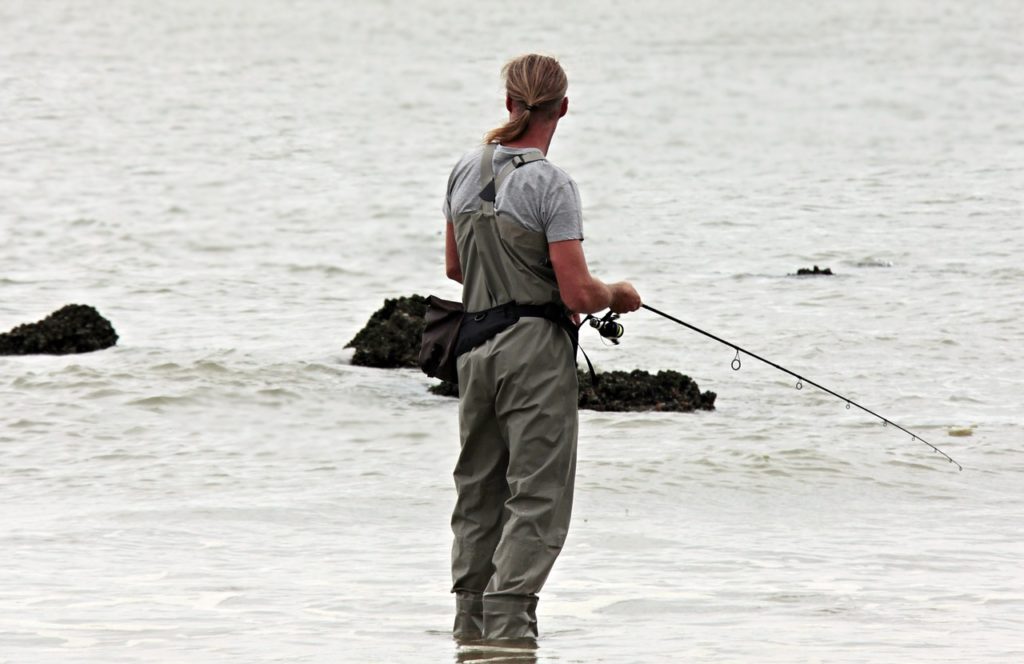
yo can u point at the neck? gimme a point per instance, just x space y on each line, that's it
538 135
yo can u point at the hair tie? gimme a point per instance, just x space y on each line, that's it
531 107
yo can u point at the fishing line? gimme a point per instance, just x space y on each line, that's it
800 380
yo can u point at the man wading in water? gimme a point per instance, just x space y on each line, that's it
513 240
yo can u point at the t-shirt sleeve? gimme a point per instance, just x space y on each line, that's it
563 214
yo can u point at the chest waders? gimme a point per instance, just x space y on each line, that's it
517 422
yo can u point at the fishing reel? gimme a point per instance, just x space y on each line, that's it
608 326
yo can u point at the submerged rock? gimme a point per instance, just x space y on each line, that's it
391 338
805 271
635 390
639 390
444 389
74 328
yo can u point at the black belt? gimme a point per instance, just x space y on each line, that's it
480 326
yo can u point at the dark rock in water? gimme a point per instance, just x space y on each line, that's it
444 389
74 328
630 391
639 390
391 338
804 271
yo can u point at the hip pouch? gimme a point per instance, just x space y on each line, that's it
443 321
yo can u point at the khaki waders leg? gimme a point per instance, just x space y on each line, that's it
536 405
482 490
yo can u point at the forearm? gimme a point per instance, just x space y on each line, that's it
452 265
591 296
581 292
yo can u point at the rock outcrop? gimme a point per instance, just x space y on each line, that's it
74 328
391 338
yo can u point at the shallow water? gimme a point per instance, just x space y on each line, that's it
239 187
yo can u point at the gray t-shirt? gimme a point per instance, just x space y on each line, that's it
539 195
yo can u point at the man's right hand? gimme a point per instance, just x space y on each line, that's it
624 297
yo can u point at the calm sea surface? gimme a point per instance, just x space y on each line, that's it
237 186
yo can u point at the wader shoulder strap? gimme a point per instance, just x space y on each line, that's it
487 164
487 185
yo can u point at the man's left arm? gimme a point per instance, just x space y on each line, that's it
452 267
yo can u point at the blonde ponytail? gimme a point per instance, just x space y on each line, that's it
536 84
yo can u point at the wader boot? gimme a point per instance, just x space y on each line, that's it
517 420
510 617
469 616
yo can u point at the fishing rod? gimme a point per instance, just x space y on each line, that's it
609 328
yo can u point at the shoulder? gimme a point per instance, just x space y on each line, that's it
553 181
471 157
556 175
542 170
467 164
557 172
